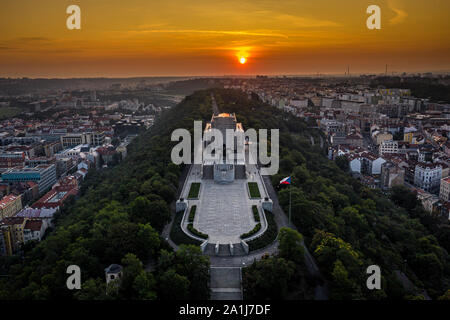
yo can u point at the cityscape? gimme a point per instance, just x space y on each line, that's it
226 161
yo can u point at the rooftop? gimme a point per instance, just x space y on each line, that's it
34 225
6 200
114 268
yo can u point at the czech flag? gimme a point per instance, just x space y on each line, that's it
286 180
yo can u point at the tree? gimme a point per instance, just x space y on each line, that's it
144 286
191 263
290 245
343 287
92 289
139 209
445 296
173 286
342 162
147 241
428 267
403 197
268 278
154 212
132 267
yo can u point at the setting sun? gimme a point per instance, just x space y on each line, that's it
242 60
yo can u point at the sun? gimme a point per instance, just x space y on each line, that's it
242 60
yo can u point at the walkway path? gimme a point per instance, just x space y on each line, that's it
408 285
165 234
321 292
214 105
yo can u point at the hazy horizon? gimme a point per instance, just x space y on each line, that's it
309 75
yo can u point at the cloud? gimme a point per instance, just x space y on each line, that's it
400 15
302 22
223 32
34 39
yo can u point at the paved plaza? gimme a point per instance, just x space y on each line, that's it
224 211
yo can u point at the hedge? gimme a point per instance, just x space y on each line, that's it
196 232
268 236
192 214
178 235
256 213
252 232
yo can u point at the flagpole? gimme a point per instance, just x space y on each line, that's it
290 204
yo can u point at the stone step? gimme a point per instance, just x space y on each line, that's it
225 283
224 250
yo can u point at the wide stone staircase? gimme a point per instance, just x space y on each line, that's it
226 283
224 250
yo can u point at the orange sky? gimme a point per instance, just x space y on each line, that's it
124 38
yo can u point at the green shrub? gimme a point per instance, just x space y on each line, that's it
268 236
178 235
192 214
196 232
252 232
194 190
256 213
254 190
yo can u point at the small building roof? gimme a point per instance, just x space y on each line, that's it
113 268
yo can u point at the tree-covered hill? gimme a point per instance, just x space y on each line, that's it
122 210
118 219
346 225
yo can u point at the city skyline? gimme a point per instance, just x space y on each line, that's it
179 38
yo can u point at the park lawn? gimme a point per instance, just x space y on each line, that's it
194 190
254 190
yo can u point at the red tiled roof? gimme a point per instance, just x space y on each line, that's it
12 220
7 199
34 225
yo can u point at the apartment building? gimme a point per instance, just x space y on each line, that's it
75 139
428 177
10 205
444 192
388 146
44 175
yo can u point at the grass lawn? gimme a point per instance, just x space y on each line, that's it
194 190
254 190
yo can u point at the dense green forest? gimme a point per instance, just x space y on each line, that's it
345 225
118 219
122 210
